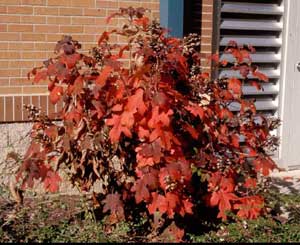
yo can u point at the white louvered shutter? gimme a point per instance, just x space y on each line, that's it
258 23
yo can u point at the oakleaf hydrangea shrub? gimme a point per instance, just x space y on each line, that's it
148 131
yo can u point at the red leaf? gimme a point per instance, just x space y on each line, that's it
117 129
41 75
256 85
195 110
104 36
235 86
105 73
70 60
192 131
136 103
149 154
77 87
144 21
51 182
146 183
172 231
235 140
126 47
113 203
249 207
260 76
159 118
250 183
164 204
264 165
55 94
222 199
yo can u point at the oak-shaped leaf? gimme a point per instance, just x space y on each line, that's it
52 181
114 204
235 86
264 165
164 204
105 73
144 185
40 76
196 110
55 94
117 129
249 207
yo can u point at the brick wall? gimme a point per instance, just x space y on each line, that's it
29 30
206 30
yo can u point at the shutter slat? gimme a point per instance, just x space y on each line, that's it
251 25
256 58
260 41
232 73
268 89
260 106
252 8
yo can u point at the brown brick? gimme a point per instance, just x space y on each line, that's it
207 2
10 2
9 116
35 90
10 73
3 9
20 28
1 109
43 103
83 21
20 81
18 108
85 3
9 55
53 38
81 37
20 46
206 32
9 19
9 36
34 2
207 24
4 64
33 55
35 101
45 11
134 4
94 12
206 17
70 11
58 20
33 19
71 29
44 46
207 9
3 28
59 2
33 37
4 82
21 64
46 28
19 10
51 108
93 29
4 46
10 90
107 4
25 101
